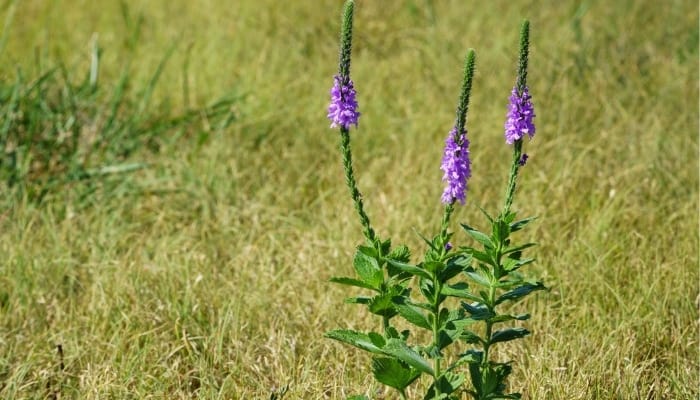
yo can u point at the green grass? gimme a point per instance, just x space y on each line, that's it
205 274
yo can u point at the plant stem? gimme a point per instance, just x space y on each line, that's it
515 166
436 329
446 221
352 185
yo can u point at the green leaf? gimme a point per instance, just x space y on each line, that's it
358 300
507 317
479 278
400 254
478 236
393 372
478 311
382 304
398 349
368 270
358 397
471 337
512 264
370 252
434 267
484 257
455 265
377 339
353 282
514 249
459 290
427 288
412 314
357 339
520 292
518 225
501 230
448 383
505 335
411 269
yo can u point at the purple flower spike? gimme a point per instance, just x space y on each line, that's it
520 115
457 167
343 108
523 159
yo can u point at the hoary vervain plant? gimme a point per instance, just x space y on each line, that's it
483 278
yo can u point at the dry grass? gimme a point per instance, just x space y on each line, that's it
205 276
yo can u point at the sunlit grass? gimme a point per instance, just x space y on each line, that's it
205 274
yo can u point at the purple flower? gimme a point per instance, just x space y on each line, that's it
523 159
457 167
343 108
448 246
520 115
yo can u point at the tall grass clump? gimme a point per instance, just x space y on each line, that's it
483 278
56 129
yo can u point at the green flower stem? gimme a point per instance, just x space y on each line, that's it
352 185
346 39
515 166
436 333
524 53
446 222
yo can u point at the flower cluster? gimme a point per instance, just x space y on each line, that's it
343 108
520 115
456 166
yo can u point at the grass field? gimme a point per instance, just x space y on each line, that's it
205 274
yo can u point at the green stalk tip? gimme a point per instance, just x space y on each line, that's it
463 106
346 39
524 53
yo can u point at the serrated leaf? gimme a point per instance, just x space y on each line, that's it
401 351
412 314
520 292
478 236
357 339
382 304
411 269
478 278
459 290
377 339
369 251
400 254
448 383
393 372
511 264
501 230
505 335
434 267
518 225
368 270
352 282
